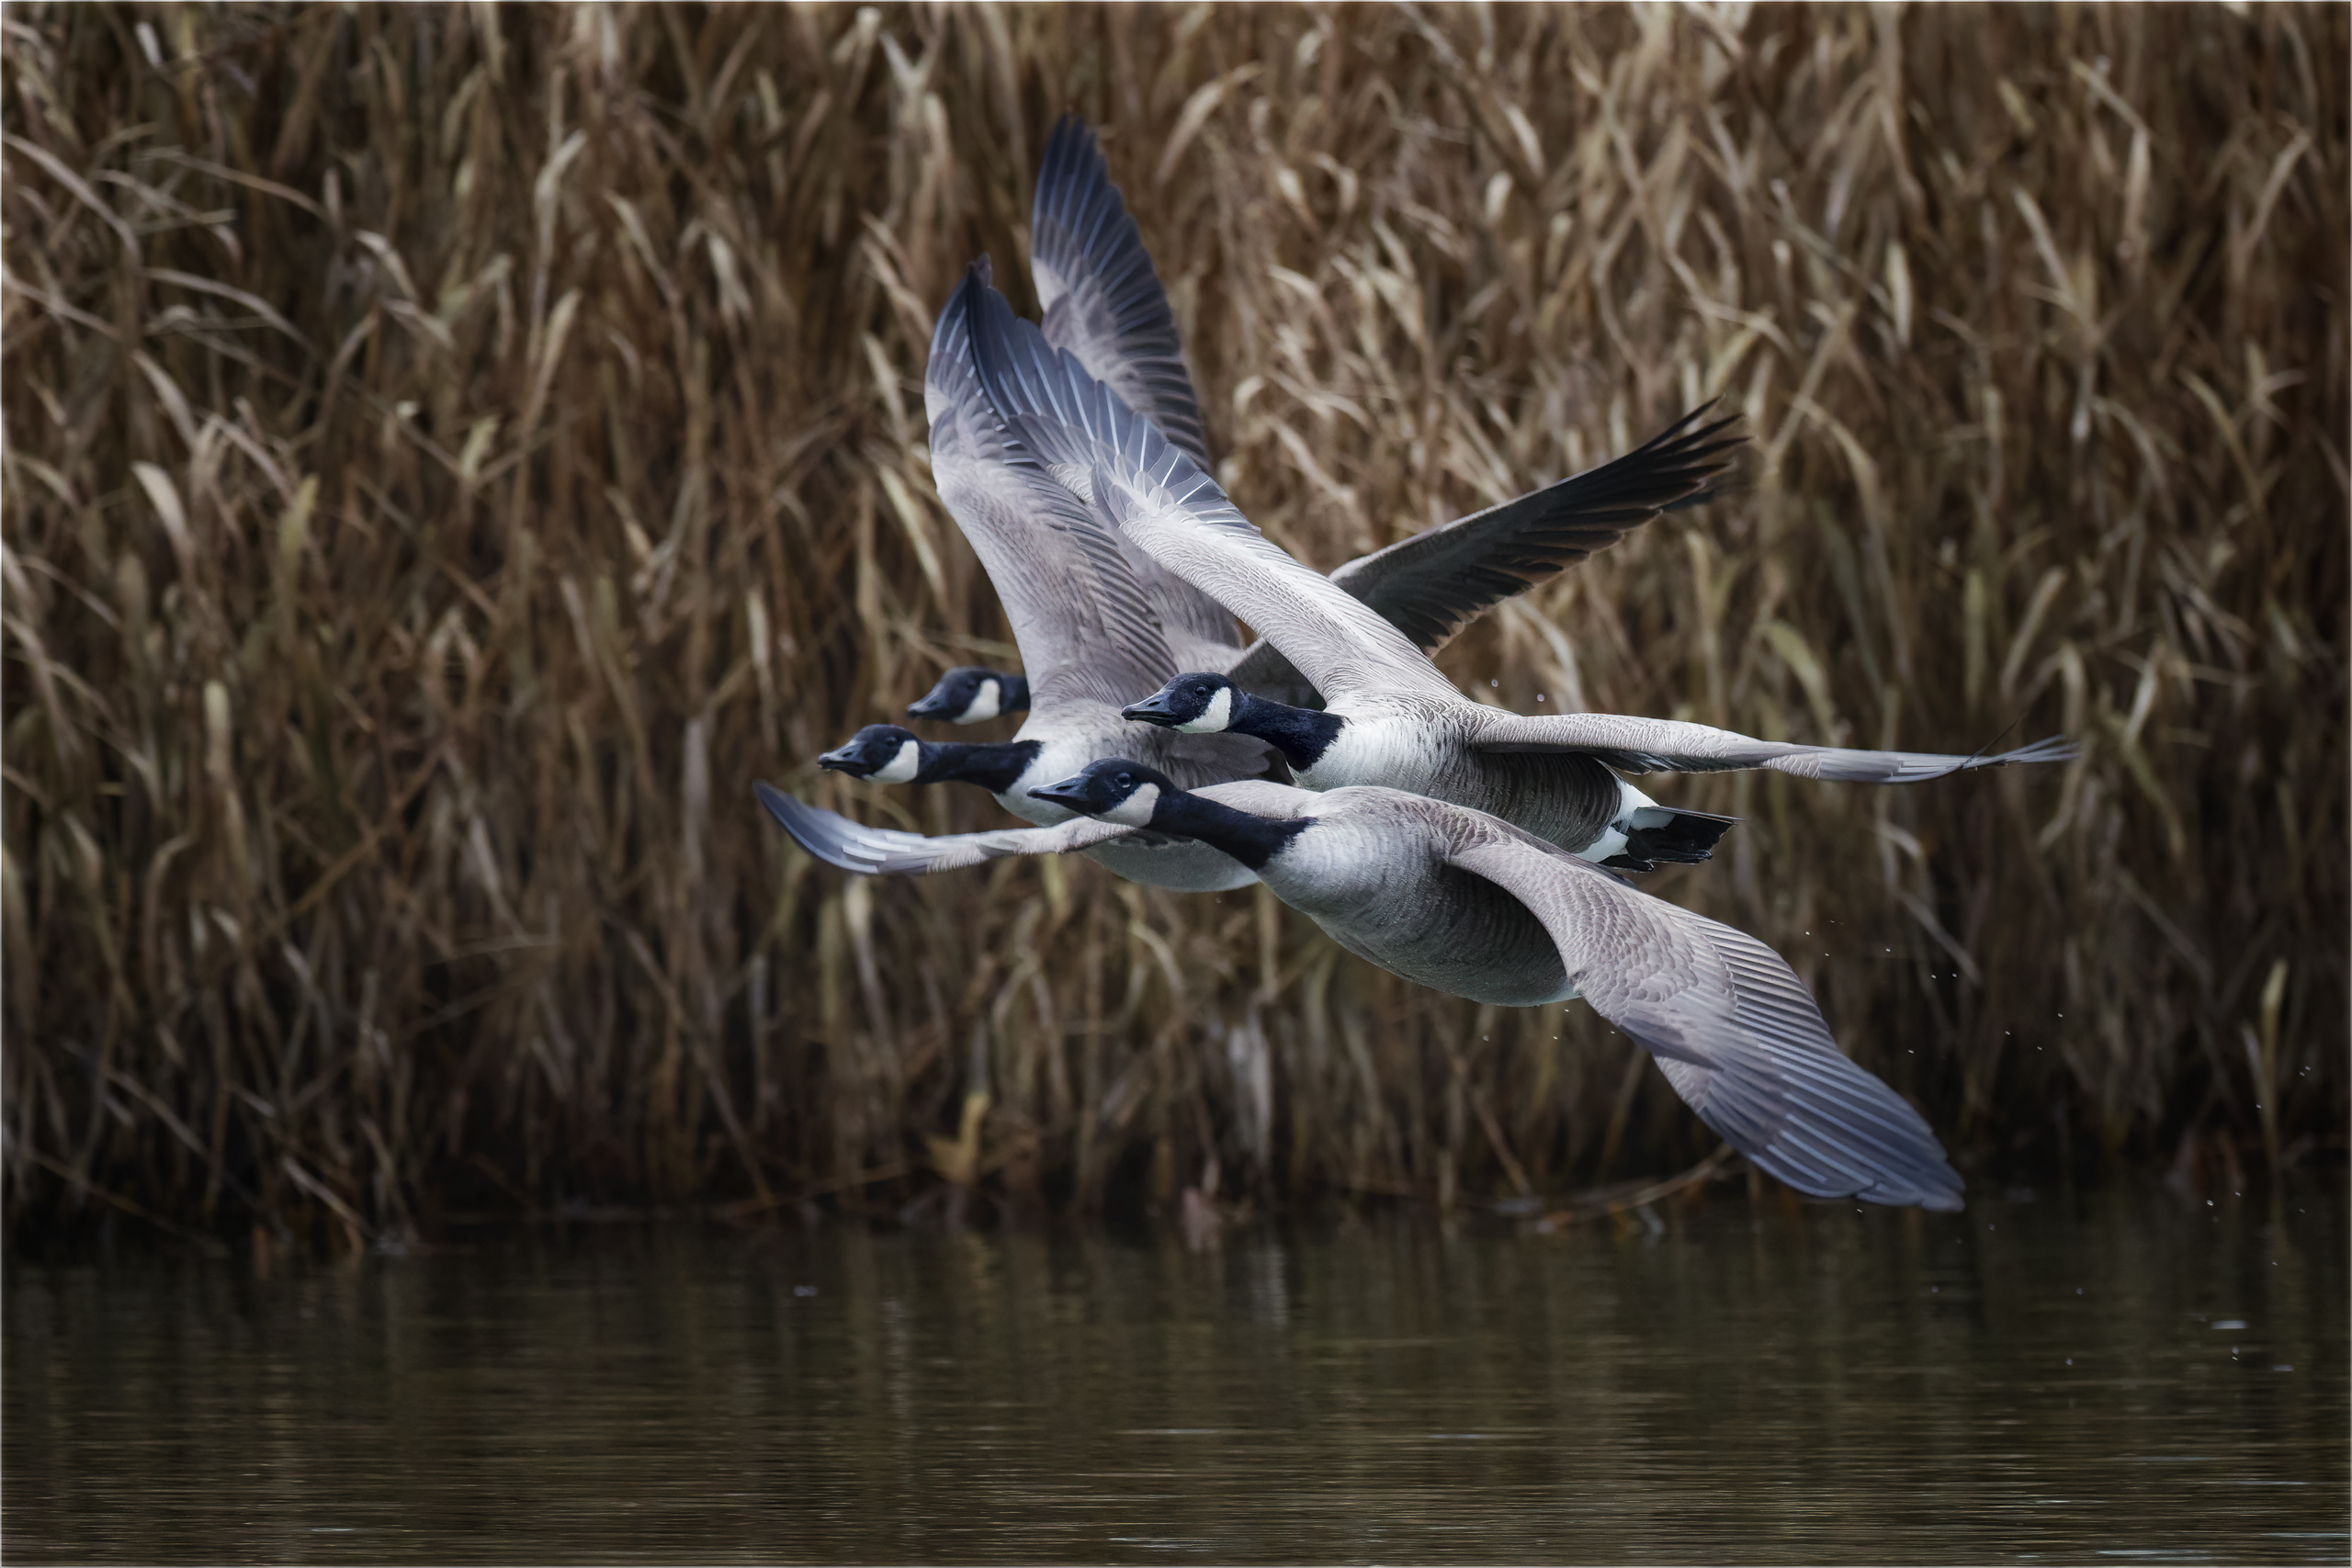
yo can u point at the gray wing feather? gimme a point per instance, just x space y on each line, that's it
1104 303
1161 500
1084 625
879 852
1102 300
1736 1032
1665 745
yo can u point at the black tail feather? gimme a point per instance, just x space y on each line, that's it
1662 834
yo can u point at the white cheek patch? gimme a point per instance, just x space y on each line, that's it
902 768
1136 809
986 703
1214 717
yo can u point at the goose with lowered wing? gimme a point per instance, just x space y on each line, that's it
1458 900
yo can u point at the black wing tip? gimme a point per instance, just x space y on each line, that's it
1681 466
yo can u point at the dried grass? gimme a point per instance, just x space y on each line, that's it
451 453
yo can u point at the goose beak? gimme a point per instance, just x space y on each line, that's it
1071 795
1153 709
930 705
840 760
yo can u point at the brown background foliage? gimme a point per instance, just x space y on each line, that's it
451 453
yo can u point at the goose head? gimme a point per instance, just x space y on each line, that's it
1197 704
966 694
881 752
1113 789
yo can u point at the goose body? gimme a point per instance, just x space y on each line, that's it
1464 903
1390 718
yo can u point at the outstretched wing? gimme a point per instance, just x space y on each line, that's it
1436 582
1101 296
1105 305
877 851
1735 1031
1086 630
1160 499
1666 744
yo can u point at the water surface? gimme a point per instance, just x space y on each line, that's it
2117 1376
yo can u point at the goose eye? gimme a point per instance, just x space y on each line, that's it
1125 780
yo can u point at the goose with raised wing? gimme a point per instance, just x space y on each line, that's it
1460 901
1086 633
1104 303
1391 718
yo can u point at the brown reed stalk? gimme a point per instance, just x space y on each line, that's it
451 453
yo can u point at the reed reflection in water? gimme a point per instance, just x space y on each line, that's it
2123 1375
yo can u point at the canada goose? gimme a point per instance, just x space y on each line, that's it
1104 303
970 693
1391 717
1085 634
1460 901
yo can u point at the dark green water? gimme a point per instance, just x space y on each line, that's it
2111 1377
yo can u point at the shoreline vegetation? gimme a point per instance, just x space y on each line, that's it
450 453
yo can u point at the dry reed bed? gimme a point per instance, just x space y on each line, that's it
451 454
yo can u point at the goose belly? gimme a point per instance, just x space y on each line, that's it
1439 927
1561 797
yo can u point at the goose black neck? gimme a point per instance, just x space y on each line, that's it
993 765
1016 694
1253 840
1300 734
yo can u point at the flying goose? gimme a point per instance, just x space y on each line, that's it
1463 902
1104 303
1087 634
1391 717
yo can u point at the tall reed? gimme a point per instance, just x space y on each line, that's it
451 453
